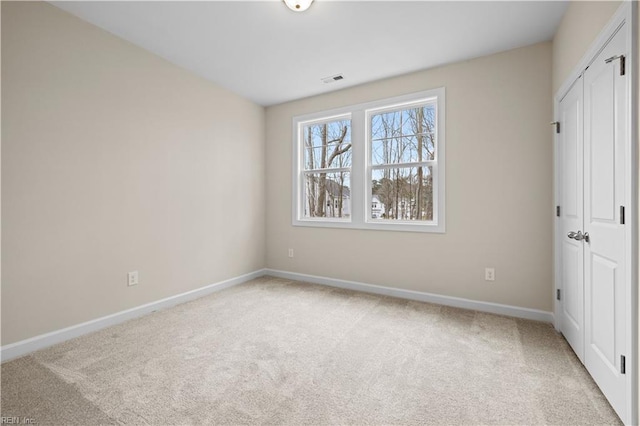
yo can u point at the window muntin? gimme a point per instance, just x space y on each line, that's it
326 174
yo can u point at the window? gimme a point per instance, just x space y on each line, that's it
378 165
402 147
326 172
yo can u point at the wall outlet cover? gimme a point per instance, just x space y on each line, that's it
132 278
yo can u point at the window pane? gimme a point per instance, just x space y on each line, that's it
404 136
402 193
386 125
327 195
327 145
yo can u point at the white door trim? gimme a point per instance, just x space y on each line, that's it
626 13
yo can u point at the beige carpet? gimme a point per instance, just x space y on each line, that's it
273 351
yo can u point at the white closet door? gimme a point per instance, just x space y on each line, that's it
606 114
572 251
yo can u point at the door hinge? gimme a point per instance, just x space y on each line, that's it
557 124
558 294
622 62
623 364
558 211
622 215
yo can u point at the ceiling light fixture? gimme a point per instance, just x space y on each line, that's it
298 5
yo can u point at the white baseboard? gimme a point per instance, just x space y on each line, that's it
24 347
494 308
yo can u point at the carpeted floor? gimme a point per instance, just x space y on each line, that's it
273 351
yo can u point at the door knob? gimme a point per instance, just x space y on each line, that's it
579 236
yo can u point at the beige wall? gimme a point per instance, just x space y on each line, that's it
581 24
115 160
499 189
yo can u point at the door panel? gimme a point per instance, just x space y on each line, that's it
606 120
573 301
571 142
602 177
603 296
572 251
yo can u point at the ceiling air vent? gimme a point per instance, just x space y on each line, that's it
332 79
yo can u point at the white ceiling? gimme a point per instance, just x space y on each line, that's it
269 54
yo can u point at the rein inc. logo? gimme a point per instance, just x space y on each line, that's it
17 420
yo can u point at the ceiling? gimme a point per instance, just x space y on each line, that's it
263 51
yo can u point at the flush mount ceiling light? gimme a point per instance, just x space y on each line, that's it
298 5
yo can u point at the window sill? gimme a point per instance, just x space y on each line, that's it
372 225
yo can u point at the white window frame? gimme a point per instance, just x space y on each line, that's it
300 171
361 168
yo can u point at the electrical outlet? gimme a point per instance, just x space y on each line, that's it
489 274
290 252
132 278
